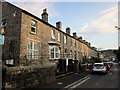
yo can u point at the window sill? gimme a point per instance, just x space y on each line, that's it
34 33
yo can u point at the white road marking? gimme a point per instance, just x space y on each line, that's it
77 83
59 83
80 83
76 73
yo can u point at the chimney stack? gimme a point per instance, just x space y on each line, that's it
59 25
80 38
75 34
89 44
45 15
68 30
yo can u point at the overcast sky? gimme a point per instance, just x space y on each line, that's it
94 21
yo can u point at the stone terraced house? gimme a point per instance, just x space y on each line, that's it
31 41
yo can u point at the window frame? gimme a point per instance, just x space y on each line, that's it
53 34
59 36
56 52
32 50
34 26
65 39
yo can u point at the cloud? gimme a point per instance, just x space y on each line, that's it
84 27
106 22
101 31
36 8
103 23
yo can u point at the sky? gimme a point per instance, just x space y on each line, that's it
94 21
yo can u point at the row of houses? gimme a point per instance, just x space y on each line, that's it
30 40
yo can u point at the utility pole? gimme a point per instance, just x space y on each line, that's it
118 28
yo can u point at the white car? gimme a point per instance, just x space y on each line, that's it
99 67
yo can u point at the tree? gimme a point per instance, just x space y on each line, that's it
118 54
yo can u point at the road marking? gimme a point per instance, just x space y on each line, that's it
77 83
76 73
80 83
59 83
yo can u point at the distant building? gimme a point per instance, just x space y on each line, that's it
101 55
109 55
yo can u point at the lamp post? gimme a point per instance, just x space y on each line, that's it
118 28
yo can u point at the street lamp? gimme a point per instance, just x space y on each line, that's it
118 28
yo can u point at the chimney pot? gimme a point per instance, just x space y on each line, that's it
45 15
75 34
68 30
59 25
80 38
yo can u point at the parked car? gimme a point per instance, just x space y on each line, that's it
119 62
99 67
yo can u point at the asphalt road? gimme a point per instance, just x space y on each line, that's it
87 80
111 80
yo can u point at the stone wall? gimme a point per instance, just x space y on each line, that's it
26 76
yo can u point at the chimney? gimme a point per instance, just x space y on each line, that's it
59 25
45 15
89 44
68 30
75 34
80 38
84 41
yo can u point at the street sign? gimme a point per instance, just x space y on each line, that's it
1 40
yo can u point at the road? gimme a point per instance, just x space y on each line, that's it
110 80
87 80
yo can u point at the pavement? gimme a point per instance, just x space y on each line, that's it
63 75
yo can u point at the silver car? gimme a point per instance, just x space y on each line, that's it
99 67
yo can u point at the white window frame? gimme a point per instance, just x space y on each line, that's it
33 25
3 23
65 39
32 50
58 36
53 34
56 52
